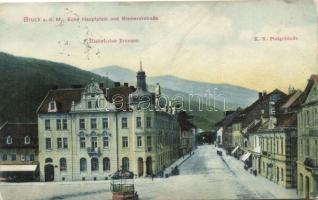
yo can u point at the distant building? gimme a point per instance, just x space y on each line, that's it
307 163
274 144
19 152
188 133
90 133
224 130
249 120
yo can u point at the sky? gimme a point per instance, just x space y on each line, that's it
217 42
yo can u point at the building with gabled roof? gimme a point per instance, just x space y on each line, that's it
250 118
273 146
90 133
187 134
307 136
19 152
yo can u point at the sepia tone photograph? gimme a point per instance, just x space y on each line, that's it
159 100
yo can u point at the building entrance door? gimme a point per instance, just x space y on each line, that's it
149 166
307 188
140 167
49 173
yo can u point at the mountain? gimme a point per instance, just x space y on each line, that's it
235 96
26 81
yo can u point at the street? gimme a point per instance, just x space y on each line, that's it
205 175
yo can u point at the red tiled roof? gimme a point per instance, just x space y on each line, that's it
18 131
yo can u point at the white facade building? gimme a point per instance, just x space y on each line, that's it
90 133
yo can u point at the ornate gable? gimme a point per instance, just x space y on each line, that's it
93 99
92 88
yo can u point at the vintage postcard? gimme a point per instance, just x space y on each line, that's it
159 100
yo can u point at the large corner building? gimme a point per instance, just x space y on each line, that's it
89 133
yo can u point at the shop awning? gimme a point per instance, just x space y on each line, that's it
246 156
17 168
236 148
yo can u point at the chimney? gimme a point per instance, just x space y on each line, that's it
117 84
260 95
101 85
126 84
264 94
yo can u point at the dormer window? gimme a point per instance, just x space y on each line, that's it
9 140
27 140
52 106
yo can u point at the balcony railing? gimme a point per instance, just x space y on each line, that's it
149 149
93 151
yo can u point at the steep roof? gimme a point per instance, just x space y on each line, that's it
228 119
65 97
290 102
313 80
251 116
18 132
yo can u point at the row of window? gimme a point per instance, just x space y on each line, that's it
62 143
308 118
94 164
13 157
61 124
94 142
279 172
27 140
273 145
307 148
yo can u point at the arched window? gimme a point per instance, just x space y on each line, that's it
9 140
125 163
106 164
48 160
27 140
94 164
83 164
63 166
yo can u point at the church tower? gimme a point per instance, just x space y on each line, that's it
141 79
